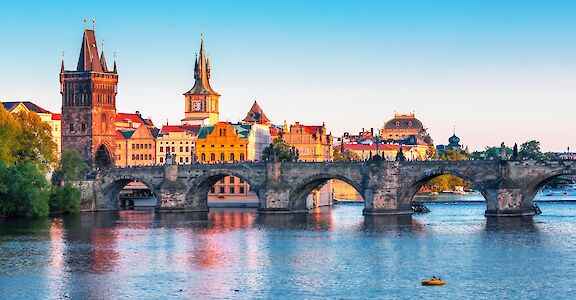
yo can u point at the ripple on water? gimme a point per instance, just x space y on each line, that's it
331 253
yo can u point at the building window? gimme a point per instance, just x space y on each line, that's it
133 157
71 127
232 179
231 190
161 149
222 157
212 157
213 190
222 180
241 180
83 127
241 156
241 190
187 149
173 149
231 156
187 159
203 157
181 149
161 159
222 190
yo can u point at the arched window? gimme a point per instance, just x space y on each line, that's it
203 157
212 157
241 156
222 157
231 156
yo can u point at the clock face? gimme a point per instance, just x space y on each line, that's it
197 106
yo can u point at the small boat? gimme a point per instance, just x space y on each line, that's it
433 282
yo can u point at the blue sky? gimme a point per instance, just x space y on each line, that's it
497 70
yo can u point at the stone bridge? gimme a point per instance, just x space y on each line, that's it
387 187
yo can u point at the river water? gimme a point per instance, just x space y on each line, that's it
330 253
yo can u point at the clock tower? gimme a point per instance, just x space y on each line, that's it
201 102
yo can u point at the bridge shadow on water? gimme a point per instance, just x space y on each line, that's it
511 224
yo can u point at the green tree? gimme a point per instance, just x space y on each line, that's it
24 190
8 136
65 199
34 143
279 148
431 151
530 150
347 155
72 166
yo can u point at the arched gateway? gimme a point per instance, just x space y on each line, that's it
387 187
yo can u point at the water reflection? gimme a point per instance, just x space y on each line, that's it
510 224
402 223
328 252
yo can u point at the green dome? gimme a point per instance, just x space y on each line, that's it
454 140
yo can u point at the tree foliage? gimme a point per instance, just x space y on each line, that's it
278 148
431 151
347 155
26 139
530 150
72 166
65 199
24 191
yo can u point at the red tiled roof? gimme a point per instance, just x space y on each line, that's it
372 147
180 128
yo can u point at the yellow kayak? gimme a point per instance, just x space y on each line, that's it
432 281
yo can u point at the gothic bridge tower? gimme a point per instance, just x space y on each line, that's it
89 105
201 102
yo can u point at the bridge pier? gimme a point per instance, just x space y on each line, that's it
382 201
173 193
507 202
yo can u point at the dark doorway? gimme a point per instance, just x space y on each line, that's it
102 158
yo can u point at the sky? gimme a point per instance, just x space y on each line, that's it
496 70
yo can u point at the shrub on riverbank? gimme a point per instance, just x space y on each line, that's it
24 191
65 199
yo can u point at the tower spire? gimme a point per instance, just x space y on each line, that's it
103 59
115 69
62 66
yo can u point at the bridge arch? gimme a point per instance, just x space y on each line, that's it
532 189
303 188
407 195
197 193
114 185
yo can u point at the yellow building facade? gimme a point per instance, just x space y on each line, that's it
135 147
179 140
313 142
222 142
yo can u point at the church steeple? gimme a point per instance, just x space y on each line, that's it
201 101
202 74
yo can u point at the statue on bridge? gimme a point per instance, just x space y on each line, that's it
503 155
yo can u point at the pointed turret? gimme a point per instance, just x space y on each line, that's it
201 74
256 115
62 70
115 71
103 62
89 59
